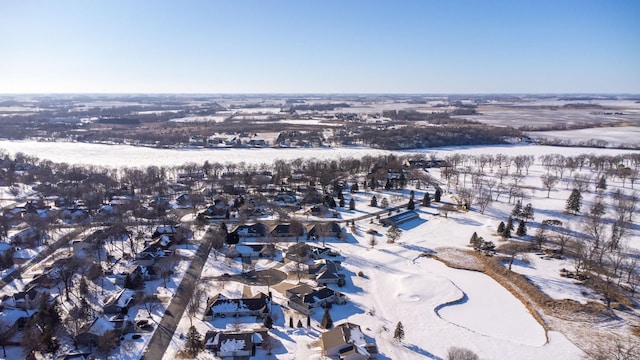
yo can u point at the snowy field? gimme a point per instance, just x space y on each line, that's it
613 135
197 119
125 155
516 117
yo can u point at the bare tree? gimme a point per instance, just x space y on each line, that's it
549 182
459 353
512 249
194 304
484 199
296 228
444 209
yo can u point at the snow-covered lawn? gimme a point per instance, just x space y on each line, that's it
400 285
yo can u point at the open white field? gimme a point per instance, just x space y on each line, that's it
615 136
518 117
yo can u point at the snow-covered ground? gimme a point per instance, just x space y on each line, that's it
125 155
190 119
615 136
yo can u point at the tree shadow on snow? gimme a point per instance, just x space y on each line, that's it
417 349
466 221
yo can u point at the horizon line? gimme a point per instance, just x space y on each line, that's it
325 93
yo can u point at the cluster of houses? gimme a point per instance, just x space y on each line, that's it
231 139
312 291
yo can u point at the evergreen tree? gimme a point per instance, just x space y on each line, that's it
517 210
574 201
597 210
437 195
387 185
384 203
290 322
341 203
602 183
398 334
506 233
193 343
352 204
509 225
527 212
412 195
474 238
476 241
268 322
326 322
355 188
411 204
374 201
299 323
501 227
522 228
426 200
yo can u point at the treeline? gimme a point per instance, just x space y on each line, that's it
317 107
422 137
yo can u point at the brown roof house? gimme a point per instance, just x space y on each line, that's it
347 342
304 298
326 272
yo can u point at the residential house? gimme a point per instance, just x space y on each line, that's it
146 258
162 230
135 273
285 199
286 231
250 230
23 233
221 306
119 302
319 253
90 335
304 298
298 252
28 299
218 211
324 230
251 251
326 272
347 342
232 344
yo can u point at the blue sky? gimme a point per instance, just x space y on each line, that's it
456 46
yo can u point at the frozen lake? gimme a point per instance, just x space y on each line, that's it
125 155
